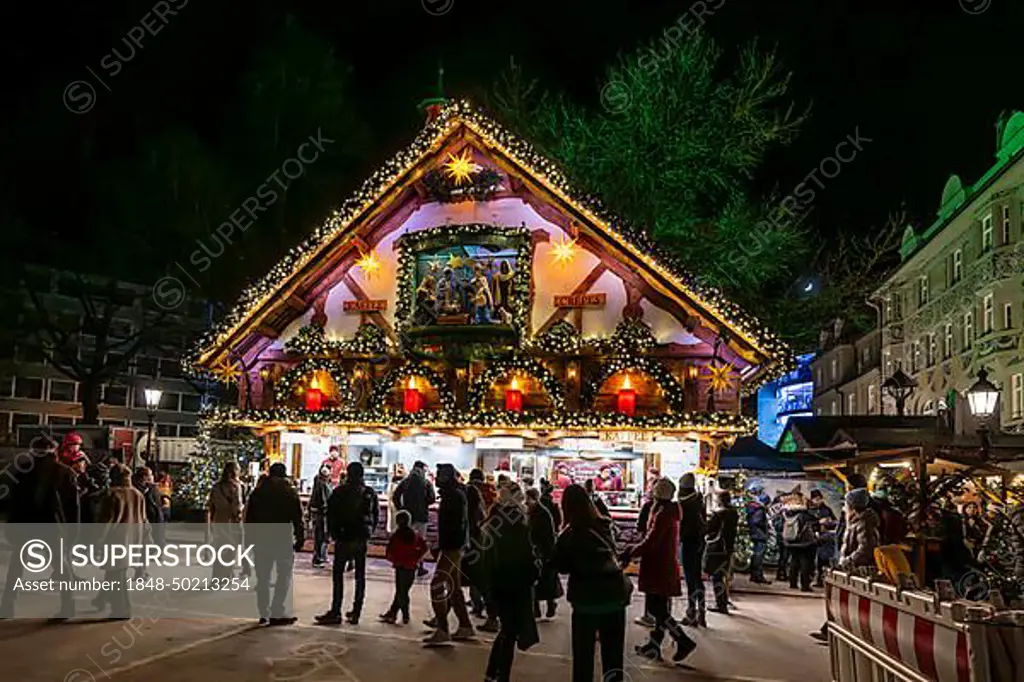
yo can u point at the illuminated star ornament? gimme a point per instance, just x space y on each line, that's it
227 373
460 168
563 250
720 376
369 263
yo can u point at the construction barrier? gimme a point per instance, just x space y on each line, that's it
878 633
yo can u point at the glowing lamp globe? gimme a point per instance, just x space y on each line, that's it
982 396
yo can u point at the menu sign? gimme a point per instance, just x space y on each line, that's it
581 300
367 305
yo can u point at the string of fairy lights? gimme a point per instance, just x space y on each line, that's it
292 382
417 372
636 241
311 341
517 365
671 389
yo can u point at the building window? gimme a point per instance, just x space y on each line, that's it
113 422
169 401
922 290
897 306
27 387
190 401
915 360
1006 225
59 420
146 367
968 329
832 409
1008 316
115 395
931 349
872 399
1017 396
62 391
170 369
167 430
6 385
888 308
988 320
958 266
851 403
188 431
986 233
947 341
929 408
835 369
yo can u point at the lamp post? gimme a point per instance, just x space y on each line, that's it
899 387
982 398
152 397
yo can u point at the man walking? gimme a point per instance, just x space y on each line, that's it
352 516
415 495
691 546
446 585
757 529
274 501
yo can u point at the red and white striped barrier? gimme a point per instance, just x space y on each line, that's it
877 632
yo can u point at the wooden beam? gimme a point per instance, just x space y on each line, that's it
581 288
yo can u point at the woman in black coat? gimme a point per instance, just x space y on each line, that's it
720 543
542 534
508 573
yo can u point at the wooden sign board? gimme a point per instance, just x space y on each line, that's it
581 300
368 305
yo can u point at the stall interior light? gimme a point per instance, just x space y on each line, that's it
894 465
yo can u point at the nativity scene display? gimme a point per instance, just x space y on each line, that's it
467 284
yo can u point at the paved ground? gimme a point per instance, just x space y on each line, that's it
765 640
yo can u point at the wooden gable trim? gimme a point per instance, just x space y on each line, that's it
581 288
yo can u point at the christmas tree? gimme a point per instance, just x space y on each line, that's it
207 463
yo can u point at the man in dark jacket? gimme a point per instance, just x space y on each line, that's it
801 541
691 545
415 494
476 513
274 501
547 499
757 529
446 585
542 535
45 494
318 499
146 485
352 515
721 543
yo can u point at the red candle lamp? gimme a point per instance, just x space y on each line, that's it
514 398
412 399
626 403
314 398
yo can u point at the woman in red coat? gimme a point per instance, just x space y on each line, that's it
660 574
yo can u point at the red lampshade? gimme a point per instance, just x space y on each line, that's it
314 399
513 400
412 400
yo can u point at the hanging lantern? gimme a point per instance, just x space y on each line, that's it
412 399
514 398
314 396
626 403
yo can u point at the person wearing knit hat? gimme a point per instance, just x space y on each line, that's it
691 546
660 573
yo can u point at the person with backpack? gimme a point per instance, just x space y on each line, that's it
598 590
800 538
720 545
415 494
352 515
405 549
543 535
509 569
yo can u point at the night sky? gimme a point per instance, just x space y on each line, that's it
924 80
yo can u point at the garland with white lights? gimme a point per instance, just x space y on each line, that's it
521 152
517 364
448 419
411 244
561 338
481 186
630 337
378 401
311 341
672 389
290 380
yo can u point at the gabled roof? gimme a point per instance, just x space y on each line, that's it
399 170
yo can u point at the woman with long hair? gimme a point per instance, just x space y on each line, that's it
598 589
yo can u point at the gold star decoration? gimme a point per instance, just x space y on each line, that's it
460 168
227 373
454 261
369 263
563 250
720 376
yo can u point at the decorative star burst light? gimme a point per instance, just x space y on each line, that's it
460 168
563 250
227 372
720 376
369 263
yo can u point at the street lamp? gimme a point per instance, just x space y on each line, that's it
152 396
982 397
899 387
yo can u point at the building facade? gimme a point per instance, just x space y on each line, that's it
846 373
954 305
34 392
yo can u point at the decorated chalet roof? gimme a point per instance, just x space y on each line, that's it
406 167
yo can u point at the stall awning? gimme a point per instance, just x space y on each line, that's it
752 454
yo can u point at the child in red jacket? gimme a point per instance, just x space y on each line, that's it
405 549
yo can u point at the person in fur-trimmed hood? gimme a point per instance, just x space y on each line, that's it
861 536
